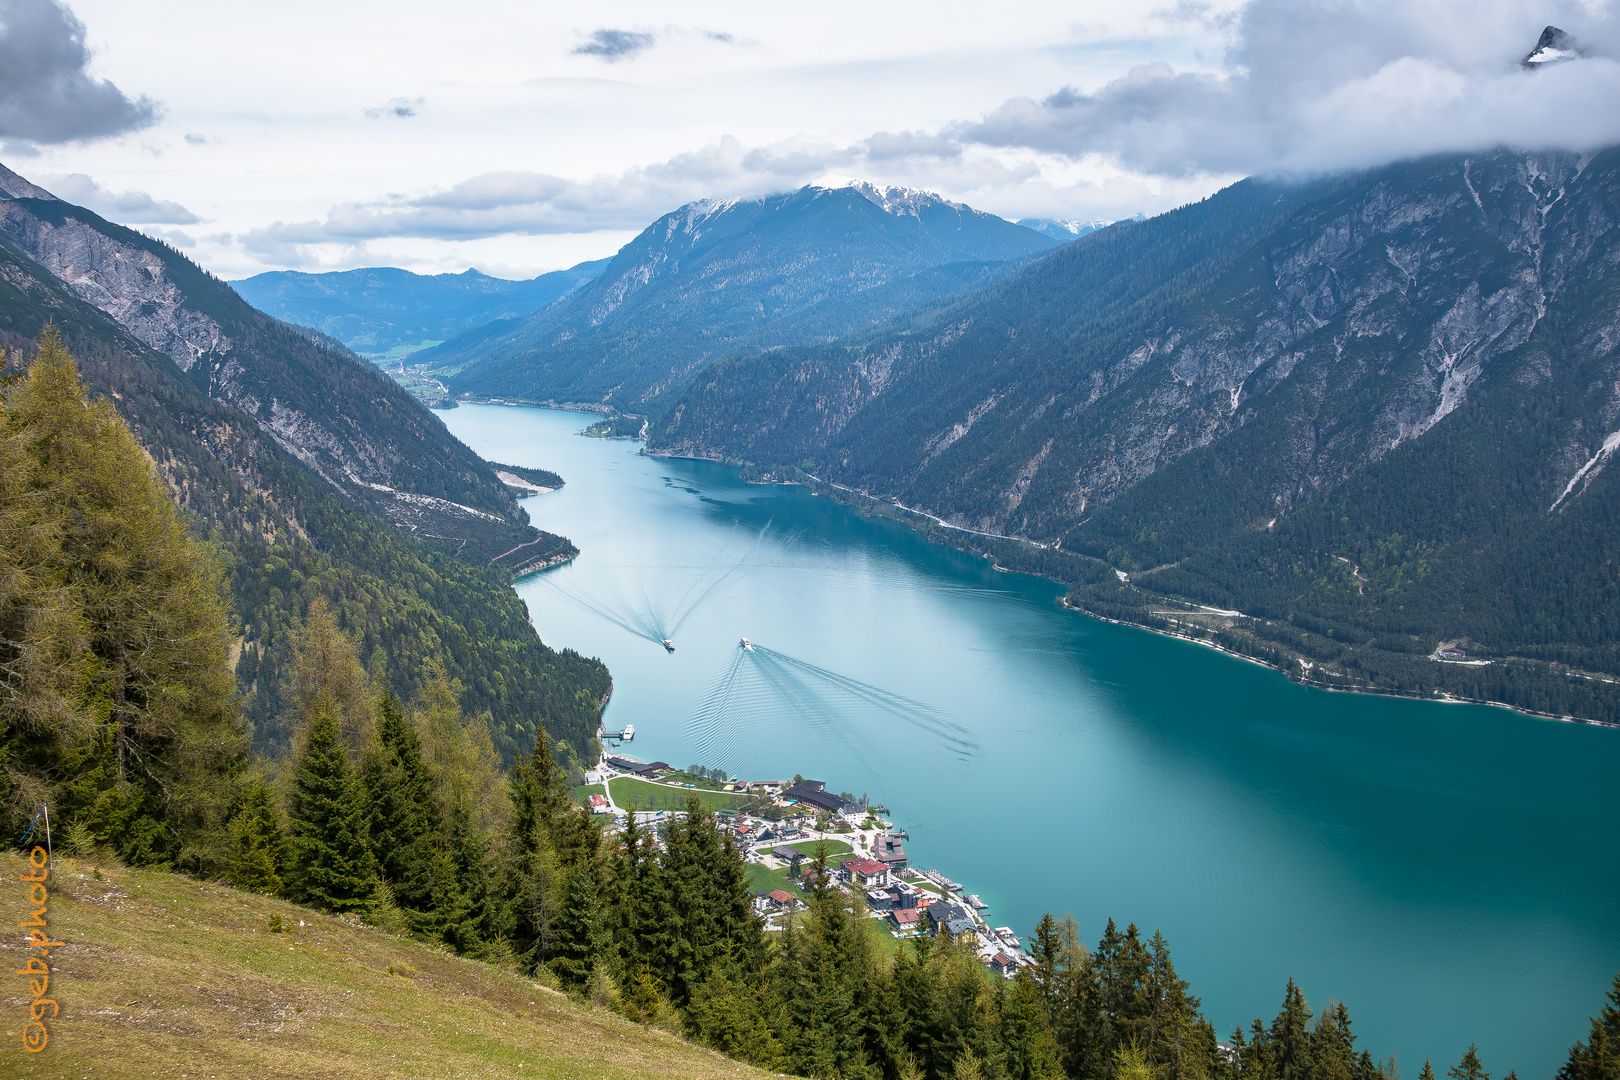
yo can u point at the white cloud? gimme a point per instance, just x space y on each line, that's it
125 207
1324 84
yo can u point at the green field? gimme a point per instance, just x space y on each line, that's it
834 847
765 880
627 790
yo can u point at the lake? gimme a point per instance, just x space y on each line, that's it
1450 872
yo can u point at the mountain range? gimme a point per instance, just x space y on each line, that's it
1334 425
387 313
314 473
722 277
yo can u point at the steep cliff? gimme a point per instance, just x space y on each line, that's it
334 412
1427 348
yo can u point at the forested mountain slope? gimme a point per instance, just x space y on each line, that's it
334 412
1377 405
288 536
385 311
725 276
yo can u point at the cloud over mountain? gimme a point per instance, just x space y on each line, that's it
124 207
1320 85
46 92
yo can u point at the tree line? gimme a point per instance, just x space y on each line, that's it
117 706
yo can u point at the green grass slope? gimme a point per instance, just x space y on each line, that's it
165 976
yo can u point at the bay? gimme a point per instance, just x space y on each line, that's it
1450 872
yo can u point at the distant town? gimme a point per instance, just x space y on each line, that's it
780 824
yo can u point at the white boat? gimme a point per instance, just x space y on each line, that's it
749 645
668 644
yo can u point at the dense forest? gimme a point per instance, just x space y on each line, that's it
285 537
1371 413
117 707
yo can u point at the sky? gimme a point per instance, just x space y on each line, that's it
516 137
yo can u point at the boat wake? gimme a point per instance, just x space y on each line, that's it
762 691
651 617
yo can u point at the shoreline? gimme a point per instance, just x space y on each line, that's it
909 514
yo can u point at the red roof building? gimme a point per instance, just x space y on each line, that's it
868 872
904 918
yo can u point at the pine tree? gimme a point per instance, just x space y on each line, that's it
331 860
450 917
258 855
1598 1058
726 1013
533 890
581 934
404 815
1469 1068
1290 1036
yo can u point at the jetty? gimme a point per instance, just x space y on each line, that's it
626 735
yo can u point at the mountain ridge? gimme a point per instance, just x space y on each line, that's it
1178 397
719 276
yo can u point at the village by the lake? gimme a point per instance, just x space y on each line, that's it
791 832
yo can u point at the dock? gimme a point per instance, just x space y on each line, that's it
626 735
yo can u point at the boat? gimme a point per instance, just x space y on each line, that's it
668 644
749 645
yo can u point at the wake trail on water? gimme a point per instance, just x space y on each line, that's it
763 691
646 617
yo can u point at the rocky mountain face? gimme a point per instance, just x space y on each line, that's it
334 412
1255 400
720 277
385 312
286 536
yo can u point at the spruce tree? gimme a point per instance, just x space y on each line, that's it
1290 1036
581 937
727 1013
404 815
258 856
331 859
450 918
1598 1058
1469 1068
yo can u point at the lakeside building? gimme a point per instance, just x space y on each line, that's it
814 793
952 918
637 768
867 873
904 919
889 851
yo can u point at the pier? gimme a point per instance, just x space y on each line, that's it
626 735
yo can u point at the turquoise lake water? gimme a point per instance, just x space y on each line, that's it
1450 872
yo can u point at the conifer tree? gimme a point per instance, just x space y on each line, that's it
404 815
1469 1068
115 686
1427 1073
1598 1058
450 917
581 939
331 859
533 890
1290 1036
258 856
726 1013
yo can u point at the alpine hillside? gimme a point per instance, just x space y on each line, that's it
385 313
287 453
720 277
1363 418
